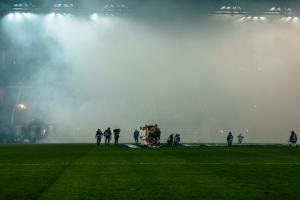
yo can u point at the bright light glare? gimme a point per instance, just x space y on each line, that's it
10 16
242 19
28 15
295 19
262 18
21 106
18 16
273 9
94 17
49 17
255 18
59 16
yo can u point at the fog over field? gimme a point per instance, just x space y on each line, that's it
200 78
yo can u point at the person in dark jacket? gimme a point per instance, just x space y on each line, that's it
293 139
136 135
116 135
98 136
170 140
107 134
229 139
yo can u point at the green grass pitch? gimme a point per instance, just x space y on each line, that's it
85 171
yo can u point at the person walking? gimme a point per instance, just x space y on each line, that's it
98 136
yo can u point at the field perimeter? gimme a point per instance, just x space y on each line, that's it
84 171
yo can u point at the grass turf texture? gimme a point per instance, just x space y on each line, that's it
79 171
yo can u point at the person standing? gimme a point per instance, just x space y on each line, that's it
177 139
293 139
170 140
229 139
98 136
158 131
143 135
107 134
116 135
240 138
136 135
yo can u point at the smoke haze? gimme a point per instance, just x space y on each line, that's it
200 78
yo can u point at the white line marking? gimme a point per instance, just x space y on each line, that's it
132 146
187 145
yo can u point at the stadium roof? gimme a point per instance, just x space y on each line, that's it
269 7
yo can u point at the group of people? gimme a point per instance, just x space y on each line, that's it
292 139
173 140
149 135
107 135
230 139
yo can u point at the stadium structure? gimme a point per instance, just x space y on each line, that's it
25 123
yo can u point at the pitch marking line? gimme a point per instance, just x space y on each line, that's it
132 146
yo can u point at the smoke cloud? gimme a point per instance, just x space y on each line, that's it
200 78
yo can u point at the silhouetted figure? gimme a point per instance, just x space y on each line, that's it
116 135
107 134
229 139
170 140
157 131
240 138
293 139
136 135
98 136
177 139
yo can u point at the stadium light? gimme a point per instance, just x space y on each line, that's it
229 9
246 9
23 6
116 9
19 16
254 18
20 107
